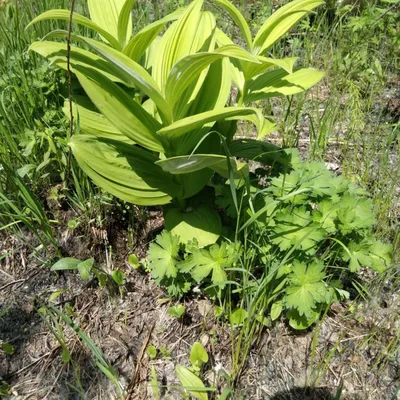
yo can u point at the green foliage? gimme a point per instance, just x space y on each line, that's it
178 266
164 103
308 214
198 356
293 218
176 311
151 351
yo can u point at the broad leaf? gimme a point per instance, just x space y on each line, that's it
176 130
106 13
142 40
202 224
239 20
281 21
133 74
262 152
56 53
92 122
120 109
126 171
187 71
196 162
178 41
67 263
191 383
198 355
79 19
125 23
280 82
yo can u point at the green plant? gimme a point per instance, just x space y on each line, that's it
86 267
176 311
179 267
157 124
311 213
189 377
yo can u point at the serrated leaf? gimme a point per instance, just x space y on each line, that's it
163 255
307 288
355 214
295 228
213 261
300 322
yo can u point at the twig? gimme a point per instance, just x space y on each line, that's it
71 116
139 358
395 5
11 283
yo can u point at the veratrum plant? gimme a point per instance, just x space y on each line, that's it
156 123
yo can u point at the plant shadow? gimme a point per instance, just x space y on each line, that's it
305 393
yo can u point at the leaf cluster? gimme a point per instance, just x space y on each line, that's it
180 267
310 230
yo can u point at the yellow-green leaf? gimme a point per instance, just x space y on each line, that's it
106 13
128 172
279 82
125 23
79 19
239 20
280 22
178 41
92 122
138 44
128 116
57 54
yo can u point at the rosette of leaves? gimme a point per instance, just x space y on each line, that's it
155 123
178 267
312 211
307 293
